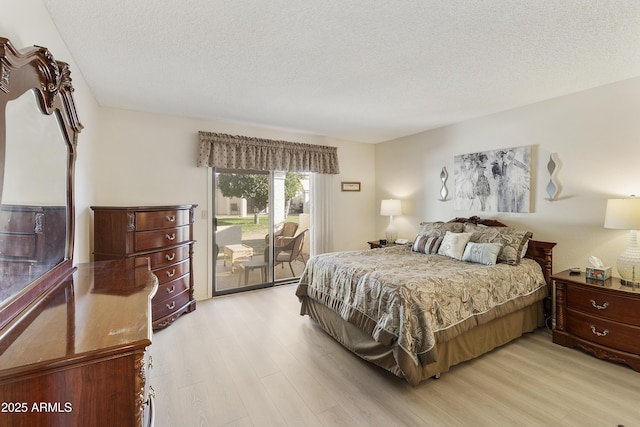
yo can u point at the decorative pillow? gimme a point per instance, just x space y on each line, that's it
481 253
453 244
511 239
439 228
426 244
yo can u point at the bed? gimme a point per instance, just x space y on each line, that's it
463 288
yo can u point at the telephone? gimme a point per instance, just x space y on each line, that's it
401 241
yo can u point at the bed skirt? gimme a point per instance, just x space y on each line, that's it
467 346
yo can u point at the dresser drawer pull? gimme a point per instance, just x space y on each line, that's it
171 218
171 289
171 306
599 307
172 273
170 257
599 334
172 236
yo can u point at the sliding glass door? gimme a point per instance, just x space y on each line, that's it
261 226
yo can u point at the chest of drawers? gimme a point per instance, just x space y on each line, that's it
32 234
164 234
602 318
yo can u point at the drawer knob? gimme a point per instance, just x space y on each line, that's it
171 236
171 306
171 218
595 332
170 257
599 307
171 273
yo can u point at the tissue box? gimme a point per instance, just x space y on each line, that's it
598 273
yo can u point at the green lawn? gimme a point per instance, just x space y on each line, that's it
250 230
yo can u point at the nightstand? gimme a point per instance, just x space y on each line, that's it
375 244
599 317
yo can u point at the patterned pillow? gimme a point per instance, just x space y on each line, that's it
426 244
481 253
453 244
439 228
511 239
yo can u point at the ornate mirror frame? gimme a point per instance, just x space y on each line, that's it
35 69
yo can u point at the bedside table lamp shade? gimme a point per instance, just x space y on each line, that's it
624 214
390 208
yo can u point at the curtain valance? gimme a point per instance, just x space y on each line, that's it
242 152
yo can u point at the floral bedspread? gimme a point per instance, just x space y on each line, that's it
414 300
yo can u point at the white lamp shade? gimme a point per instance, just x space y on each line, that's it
390 207
622 214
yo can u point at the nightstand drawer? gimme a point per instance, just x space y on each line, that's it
602 304
604 332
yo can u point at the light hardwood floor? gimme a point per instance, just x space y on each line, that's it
251 360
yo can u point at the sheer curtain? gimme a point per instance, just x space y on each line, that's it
321 213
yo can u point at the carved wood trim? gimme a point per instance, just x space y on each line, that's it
140 387
560 314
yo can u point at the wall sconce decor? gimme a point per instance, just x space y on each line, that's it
552 186
443 191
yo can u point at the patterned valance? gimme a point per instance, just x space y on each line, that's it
243 152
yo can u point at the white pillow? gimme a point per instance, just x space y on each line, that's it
453 244
482 253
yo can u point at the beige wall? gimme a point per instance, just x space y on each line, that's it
149 159
27 23
129 158
133 158
596 135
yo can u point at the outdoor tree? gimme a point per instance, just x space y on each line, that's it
255 187
292 187
252 187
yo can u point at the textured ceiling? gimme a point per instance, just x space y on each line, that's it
364 70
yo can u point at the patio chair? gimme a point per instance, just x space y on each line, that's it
290 251
283 235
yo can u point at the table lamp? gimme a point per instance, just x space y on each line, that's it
390 208
624 214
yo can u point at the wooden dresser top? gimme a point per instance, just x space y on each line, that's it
102 308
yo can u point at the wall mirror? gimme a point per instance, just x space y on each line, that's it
38 135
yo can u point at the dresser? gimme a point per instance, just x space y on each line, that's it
164 234
599 317
79 357
32 234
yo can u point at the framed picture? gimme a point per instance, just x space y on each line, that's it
494 181
350 186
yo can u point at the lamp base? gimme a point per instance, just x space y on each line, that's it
391 233
630 283
629 262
